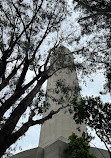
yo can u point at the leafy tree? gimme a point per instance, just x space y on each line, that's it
78 147
24 28
97 115
96 8
96 19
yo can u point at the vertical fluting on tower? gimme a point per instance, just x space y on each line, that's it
61 88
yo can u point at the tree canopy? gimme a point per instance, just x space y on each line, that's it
96 8
97 115
78 147
95 19
24 27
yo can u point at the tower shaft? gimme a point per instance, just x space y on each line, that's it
61 88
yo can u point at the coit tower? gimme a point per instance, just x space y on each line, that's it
62 87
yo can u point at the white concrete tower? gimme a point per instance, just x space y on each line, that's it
61 88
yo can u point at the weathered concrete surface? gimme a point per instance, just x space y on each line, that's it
61 88
33 153
99 153
56 150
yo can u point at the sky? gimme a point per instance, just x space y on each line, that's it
89 88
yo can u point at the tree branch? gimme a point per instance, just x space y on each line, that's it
21 108
6 81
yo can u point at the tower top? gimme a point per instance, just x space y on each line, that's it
63 57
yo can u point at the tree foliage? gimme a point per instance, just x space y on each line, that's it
97 115
78 147
24 28
96 19
96 8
